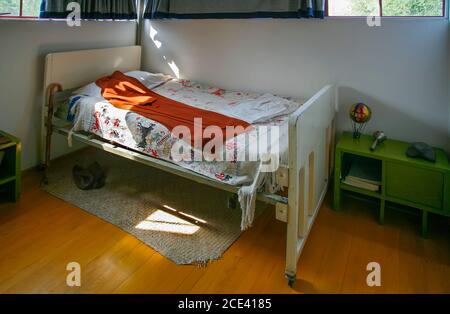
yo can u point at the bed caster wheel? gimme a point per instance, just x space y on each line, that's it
232 202
291 280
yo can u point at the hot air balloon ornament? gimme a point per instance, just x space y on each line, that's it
360 114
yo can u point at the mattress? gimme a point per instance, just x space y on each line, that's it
90 112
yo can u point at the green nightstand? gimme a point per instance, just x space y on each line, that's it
10 171
412 182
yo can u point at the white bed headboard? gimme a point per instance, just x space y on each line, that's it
76 68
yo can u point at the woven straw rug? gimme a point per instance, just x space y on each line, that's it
188 223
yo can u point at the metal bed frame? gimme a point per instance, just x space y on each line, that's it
311 142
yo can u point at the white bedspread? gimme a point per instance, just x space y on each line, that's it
96 115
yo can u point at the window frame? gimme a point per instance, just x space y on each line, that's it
37 18
445 5
444 15
20 16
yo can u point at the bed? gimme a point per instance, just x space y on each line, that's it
306 129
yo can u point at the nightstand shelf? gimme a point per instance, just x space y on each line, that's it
8 179
407 181
10 171
360 191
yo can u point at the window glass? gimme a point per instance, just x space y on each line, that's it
353 8
386 7
413 7
31 7
10 6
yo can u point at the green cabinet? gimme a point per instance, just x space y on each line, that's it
407 181
10 172
446 205
415 185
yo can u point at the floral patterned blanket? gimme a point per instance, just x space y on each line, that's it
92 113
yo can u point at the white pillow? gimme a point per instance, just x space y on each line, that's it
150 80
89 90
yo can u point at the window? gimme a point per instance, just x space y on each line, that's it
394 8
19 8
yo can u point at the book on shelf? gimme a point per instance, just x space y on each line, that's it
364 173
361 184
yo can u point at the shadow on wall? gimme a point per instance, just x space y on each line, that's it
396 124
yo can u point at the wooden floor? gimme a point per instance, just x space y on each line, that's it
40 235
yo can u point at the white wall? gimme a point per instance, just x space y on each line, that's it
399 69
23 47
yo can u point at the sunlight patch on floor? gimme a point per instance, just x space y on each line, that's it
165 222
197 220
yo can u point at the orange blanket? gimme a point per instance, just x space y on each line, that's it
128 93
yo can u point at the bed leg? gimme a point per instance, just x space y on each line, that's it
296 221
291 279
48 125
46 164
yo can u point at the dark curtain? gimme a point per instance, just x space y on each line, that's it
91 9
217 9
